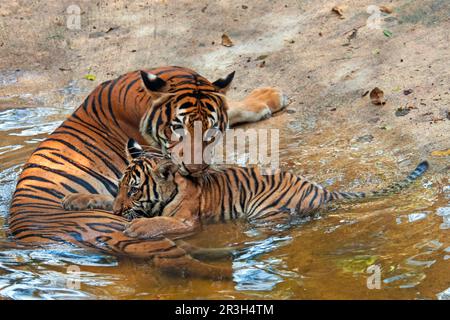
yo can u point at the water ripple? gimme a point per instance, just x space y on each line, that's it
8 179
29 121
52 273
251 274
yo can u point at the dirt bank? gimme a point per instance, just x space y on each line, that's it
324 62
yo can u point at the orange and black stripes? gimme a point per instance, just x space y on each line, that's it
86 154
233 193
247 193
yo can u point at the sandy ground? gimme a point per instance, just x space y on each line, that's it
324 62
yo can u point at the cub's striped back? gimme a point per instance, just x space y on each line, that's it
152 187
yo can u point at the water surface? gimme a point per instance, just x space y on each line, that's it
324 257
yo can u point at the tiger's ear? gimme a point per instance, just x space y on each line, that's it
223 84
134 150
153 84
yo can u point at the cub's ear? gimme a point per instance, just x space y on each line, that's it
167 169
153 84
223 84
134 149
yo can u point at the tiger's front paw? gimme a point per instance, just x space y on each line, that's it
79 201
143 228
272 97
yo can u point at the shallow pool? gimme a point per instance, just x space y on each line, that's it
397 247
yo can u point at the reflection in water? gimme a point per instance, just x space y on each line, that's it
325 257
252 274
29 122
43 273
444 212
8 179
445 295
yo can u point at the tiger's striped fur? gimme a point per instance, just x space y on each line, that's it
151 187
85 154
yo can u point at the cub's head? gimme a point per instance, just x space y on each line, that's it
147 185
185 107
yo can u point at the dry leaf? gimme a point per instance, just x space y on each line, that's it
338 10
386 9
441 153
377 96
226 41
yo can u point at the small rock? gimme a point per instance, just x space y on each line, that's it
96 34
407 92
400 112
112 29
365 138
352 35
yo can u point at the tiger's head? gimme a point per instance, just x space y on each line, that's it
147 185
187 112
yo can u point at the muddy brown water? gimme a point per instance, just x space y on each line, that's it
403 236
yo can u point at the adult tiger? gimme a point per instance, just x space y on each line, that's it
174 205
85 156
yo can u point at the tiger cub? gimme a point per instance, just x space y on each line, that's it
170 204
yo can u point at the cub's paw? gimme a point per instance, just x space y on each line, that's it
143 228
274 98
79 201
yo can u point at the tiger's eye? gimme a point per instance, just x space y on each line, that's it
177 127
133 190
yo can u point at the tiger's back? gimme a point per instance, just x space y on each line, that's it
85 154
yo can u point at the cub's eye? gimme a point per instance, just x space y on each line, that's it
133 190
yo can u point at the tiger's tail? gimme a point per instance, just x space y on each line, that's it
392 189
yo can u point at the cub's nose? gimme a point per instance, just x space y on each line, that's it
117 208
